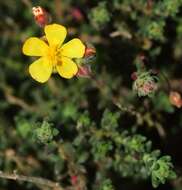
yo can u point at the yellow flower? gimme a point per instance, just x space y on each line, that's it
54 56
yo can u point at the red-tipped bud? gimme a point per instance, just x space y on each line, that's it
74 180
41 16
175 99
84 71
89 51
134 75
77 14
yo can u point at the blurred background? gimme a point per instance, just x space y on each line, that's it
103 131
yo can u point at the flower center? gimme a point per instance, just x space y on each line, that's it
54 55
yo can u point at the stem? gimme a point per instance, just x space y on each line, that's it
127 110
100 85
167 80
27 3
35 180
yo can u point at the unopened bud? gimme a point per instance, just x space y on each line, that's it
145 84
89 51
175 99
74 179
77 14
134 75
84 71
41 16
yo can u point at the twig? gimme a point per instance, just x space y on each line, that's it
53 87
27 3
140 118
11 99
19 102
127 109
167 80
35 180
100 85
124 34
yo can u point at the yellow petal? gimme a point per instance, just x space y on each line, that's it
67 68
73 49
41 70
35 47
55 34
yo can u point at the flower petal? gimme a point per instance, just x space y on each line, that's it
55 34
41 70
73 49
35 47
67 68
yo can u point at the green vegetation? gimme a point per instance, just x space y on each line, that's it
115 127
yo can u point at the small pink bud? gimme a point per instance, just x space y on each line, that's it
175 99
74 179
76 14
89 51
41 16
134 76
84 71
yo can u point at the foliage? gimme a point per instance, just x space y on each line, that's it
116 127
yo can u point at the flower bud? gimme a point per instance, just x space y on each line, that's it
76 14
84 71
145 84
41 16
89 51
175 99
134 75
74 179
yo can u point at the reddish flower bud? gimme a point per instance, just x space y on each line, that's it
84 71
41 16
134 75
145 84
74 179
175 99
76 14
149 86
89 51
